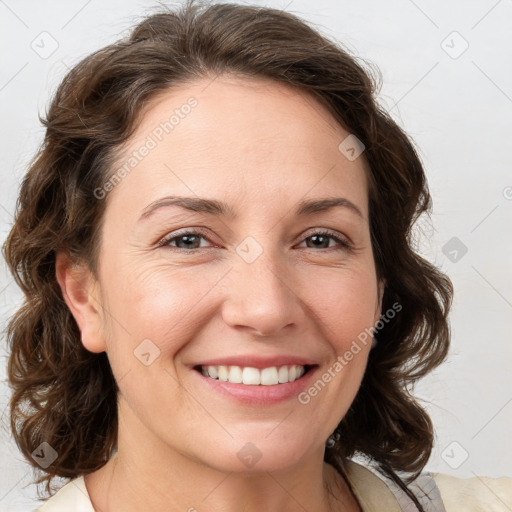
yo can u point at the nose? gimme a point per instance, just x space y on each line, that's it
260 297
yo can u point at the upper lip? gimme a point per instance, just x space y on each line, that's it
256 361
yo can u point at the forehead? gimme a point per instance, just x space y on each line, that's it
255 139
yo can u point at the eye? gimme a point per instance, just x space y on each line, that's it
319 239
186 241
189 241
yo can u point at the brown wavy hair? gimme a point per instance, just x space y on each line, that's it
67 396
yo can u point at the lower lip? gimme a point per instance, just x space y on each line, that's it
259 395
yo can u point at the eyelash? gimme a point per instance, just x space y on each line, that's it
344 245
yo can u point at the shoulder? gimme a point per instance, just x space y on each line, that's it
72 497
437 492
475 494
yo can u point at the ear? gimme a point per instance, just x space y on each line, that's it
80 291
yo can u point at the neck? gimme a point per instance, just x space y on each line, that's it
144 475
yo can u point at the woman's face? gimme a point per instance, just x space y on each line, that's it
251 286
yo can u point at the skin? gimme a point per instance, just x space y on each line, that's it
262 148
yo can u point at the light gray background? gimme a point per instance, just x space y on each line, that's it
457 106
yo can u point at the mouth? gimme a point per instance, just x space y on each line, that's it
250 376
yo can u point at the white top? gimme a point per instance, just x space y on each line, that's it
477 494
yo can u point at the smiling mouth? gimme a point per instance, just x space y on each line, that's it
271 376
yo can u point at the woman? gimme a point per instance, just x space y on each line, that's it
223 306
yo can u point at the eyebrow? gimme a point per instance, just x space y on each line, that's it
219 208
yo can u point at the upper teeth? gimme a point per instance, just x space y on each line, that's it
254 376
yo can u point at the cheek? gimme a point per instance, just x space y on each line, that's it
154 313
167 304
345 304
163 304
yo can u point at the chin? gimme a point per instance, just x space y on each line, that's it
252 454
